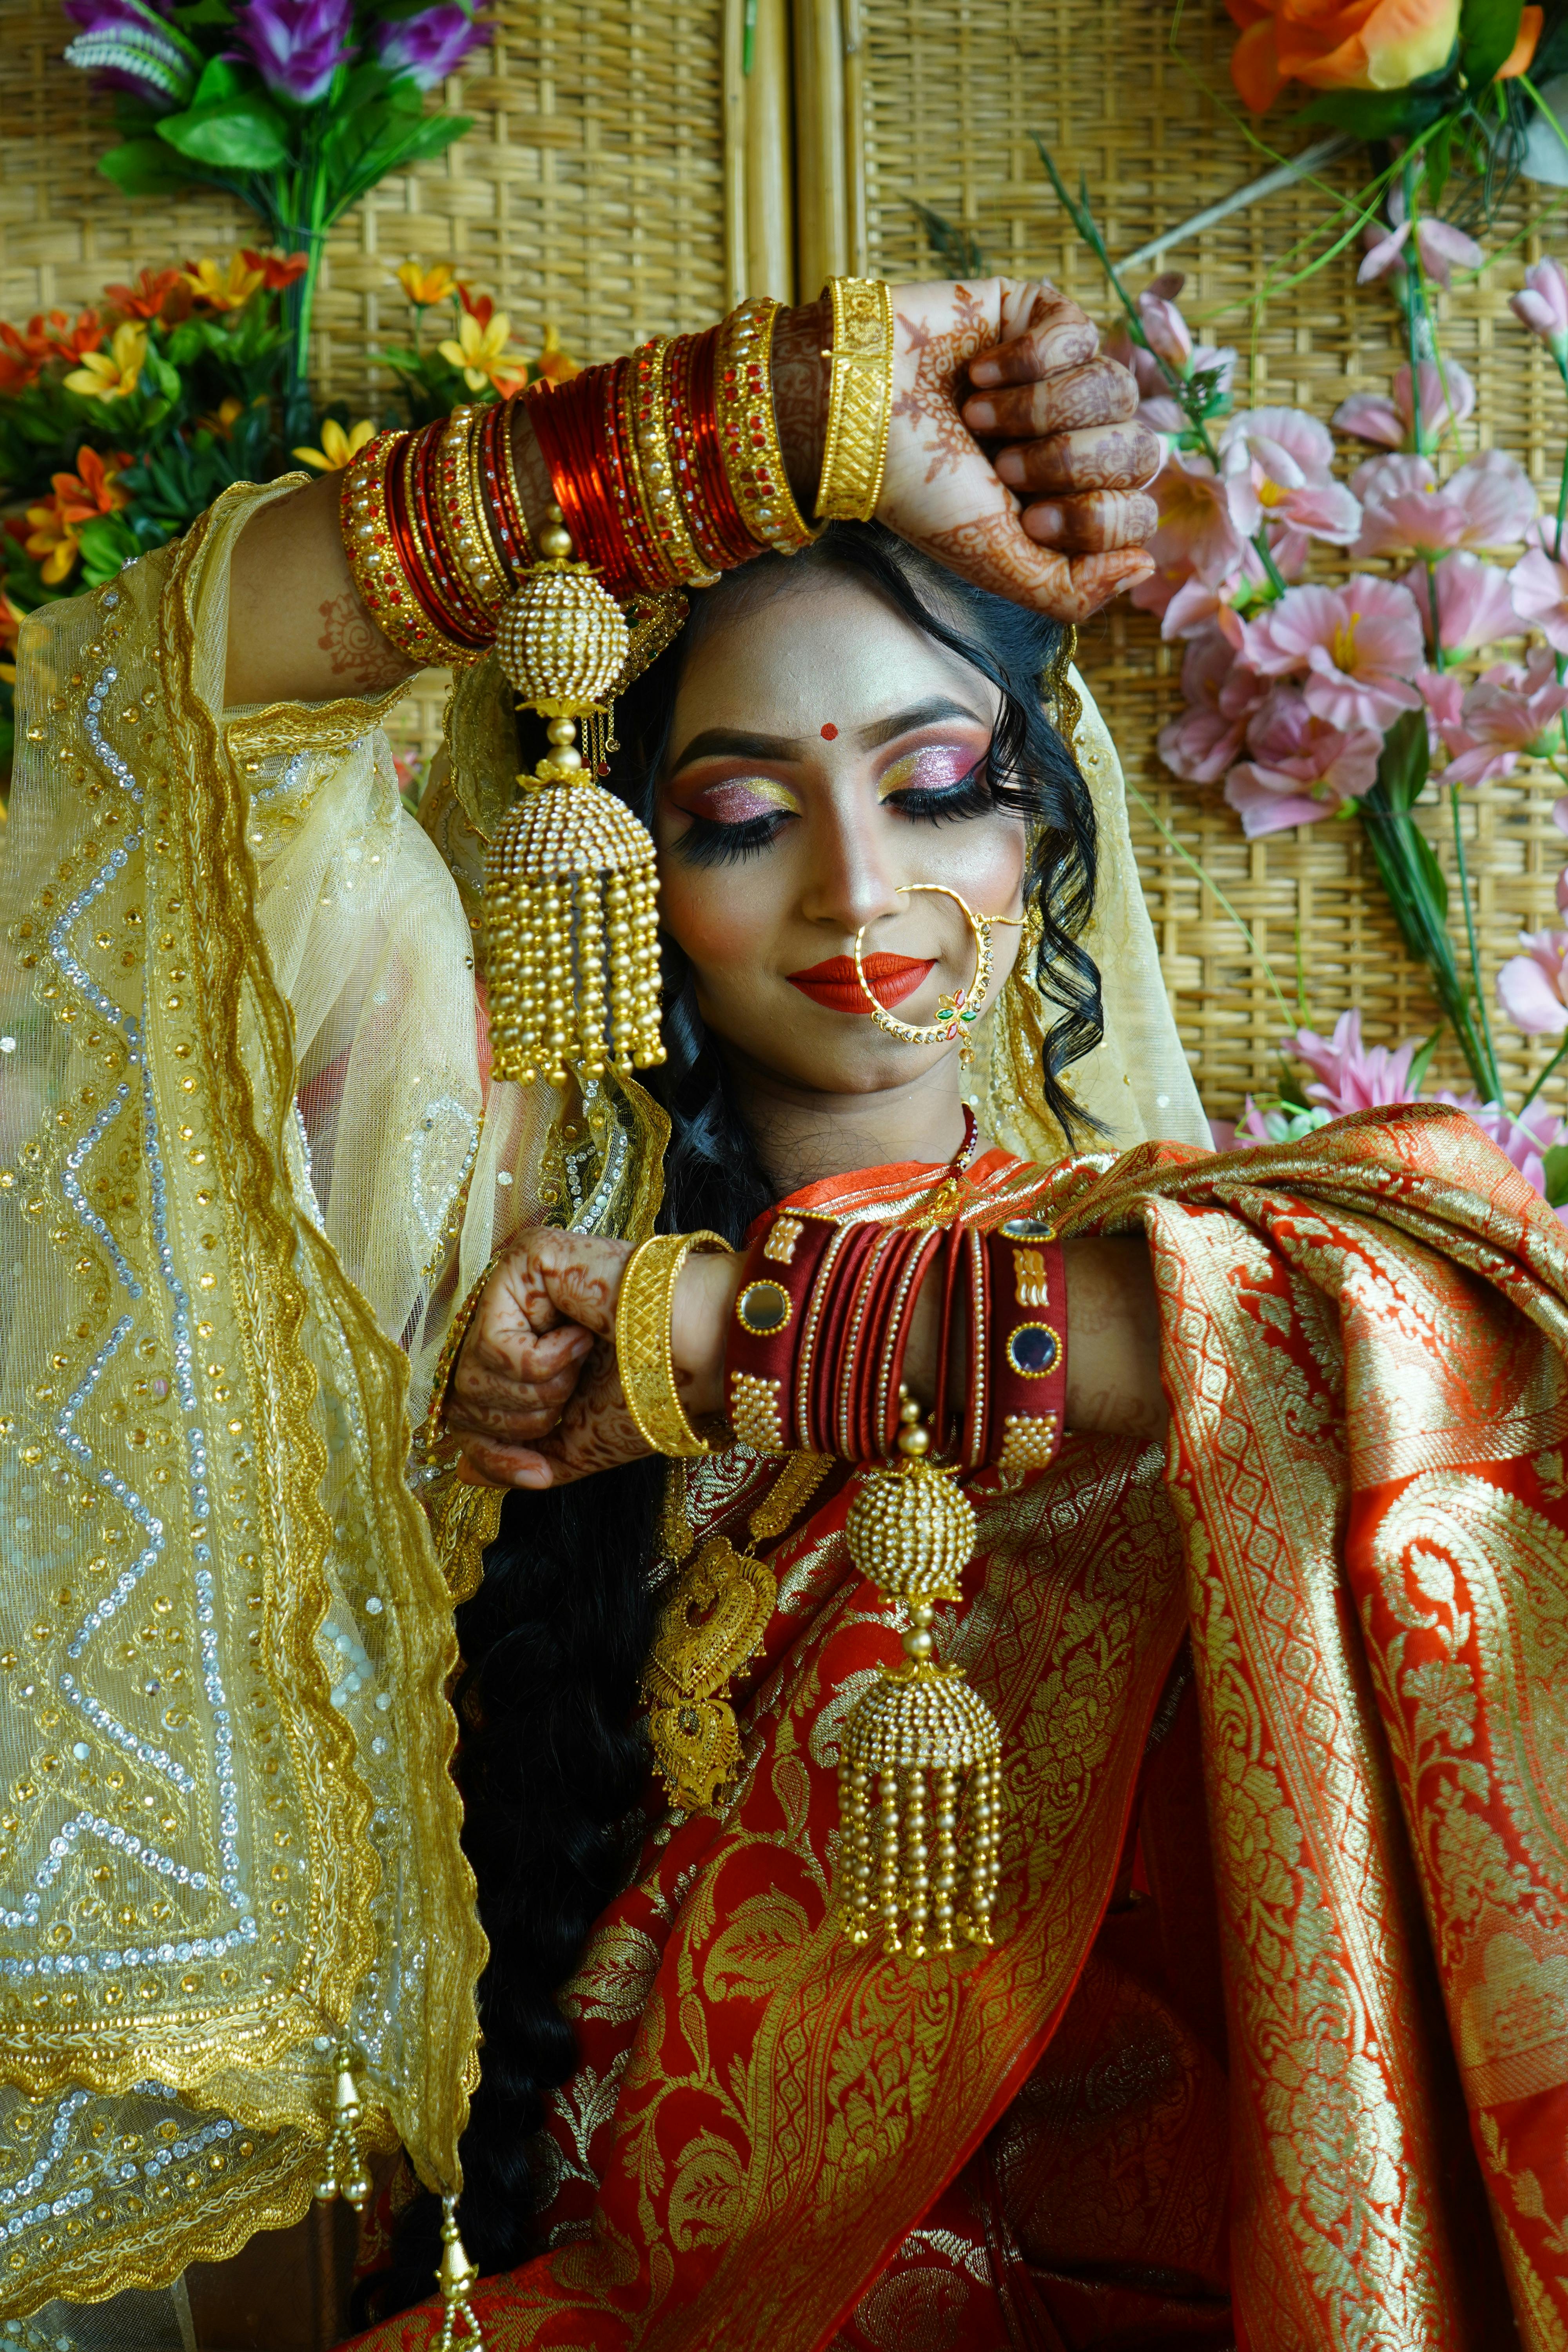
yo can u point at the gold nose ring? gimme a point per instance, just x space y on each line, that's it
953 1013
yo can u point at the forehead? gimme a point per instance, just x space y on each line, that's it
828 650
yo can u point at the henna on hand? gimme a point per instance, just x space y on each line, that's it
1103 458
1090 525
355 646
995 553
1098 393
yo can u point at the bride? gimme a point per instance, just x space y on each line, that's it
1212 1991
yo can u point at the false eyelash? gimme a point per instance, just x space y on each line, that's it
706 843
970 796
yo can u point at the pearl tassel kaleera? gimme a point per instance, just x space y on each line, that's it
572 936
912 1533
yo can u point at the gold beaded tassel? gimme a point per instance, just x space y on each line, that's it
572 937
456 2275
343 2172
923 1876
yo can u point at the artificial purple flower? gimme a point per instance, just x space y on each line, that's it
130 46
295 45
426 49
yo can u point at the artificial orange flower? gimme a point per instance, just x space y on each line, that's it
79 498
425 287
10 628
477 306
480 350
338 448
115 373
77 341
277 269
220 290
554 363
1346 44
22 356
146 299
223 418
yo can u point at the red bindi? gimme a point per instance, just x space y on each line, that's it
830 733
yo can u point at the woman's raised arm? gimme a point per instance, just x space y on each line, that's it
298 630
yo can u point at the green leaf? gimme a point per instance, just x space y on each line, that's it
1488 31
243 134
1365 113
107 543
204 12
1433 880
957 250
144 167
1556 1165
1405 760
1423 1061
221 78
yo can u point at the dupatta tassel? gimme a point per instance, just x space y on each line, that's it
456 2275
571 926
343 2168
927 1871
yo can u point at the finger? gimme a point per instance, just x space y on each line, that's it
507 1415
995 551
1101 457
582 1276
1090 525
1098 393
486 1463
499 1351
1059 335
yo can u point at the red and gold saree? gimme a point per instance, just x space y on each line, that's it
1272 2048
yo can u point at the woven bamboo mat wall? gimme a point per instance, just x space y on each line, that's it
952 91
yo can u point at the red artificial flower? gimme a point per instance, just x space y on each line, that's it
480 306
278 270
147 298
74 343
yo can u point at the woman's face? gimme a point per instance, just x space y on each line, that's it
824 754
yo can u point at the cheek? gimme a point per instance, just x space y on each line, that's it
713 915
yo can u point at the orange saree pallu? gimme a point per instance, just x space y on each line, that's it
1315 2097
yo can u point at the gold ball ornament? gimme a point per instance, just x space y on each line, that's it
563 640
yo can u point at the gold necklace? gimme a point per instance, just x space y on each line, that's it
711 1624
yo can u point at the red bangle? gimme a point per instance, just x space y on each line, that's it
499 478
568 424
711 484
414 544
766 1330
1027 1358
830 1330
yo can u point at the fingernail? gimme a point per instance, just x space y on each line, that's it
1010 466
985 371
980 416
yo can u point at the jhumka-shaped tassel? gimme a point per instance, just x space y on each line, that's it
572 937
456 2275
343 2172
931 1860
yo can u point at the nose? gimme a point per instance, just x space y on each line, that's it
852 882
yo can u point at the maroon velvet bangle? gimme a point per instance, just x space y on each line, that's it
829 1331
917 1264
769 1327
1026 1347
857 1365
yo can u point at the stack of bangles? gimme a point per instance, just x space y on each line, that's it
815 1357
666 467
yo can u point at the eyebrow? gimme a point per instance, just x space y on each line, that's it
733 743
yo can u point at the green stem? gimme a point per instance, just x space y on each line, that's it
1546 1074
1207 878
1496 1082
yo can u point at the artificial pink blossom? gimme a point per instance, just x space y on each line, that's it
1488 503
1438 243
1539 582
1194 537
1359 644
1278 467
1158 408
1165 330
1526 1136
1222 694
1506 712
1447 398
1474 607
1301 769
1542 305
1350 1077
1533 988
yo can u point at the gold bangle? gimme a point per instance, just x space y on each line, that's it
643 1351
384 586
470 550
646 396
749 432
860 401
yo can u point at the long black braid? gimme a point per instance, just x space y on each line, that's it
554 1641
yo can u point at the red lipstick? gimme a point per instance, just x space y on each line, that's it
890 976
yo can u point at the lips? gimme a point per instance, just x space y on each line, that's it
833 984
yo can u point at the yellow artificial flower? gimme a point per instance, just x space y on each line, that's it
554 363
112 374
225 292
223 419
482 352
338 448
10 625
425 287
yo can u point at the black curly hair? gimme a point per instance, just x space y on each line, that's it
552 1762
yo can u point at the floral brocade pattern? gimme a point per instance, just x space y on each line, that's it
1362 1520
228 1831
